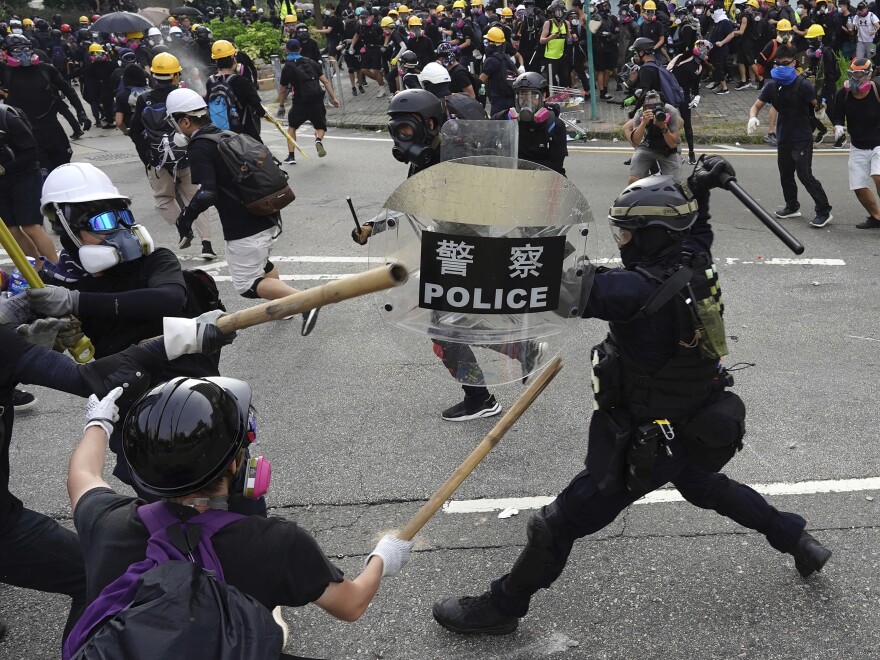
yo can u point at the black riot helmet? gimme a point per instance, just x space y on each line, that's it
301 32
650 215
202 34
415 139
409 60
182 435
530 80
643 45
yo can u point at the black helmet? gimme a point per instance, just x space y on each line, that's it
656 201
409 60
301 31
41 24
418 102
530 80
183 434
202 34
83 35
55 34
14 41
643 44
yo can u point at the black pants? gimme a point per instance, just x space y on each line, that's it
583 510
685 111
797 158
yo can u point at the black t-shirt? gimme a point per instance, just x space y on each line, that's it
459 79
290 78
336 28
32 89
794 104
275 561
21 140
208 169
860 118
423 47
649 78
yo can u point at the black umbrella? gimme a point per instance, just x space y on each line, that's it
185 11
121 21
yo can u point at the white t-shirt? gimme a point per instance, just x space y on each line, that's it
866 25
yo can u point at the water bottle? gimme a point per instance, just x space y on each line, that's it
482 90
17 282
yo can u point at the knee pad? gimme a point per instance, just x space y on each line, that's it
252 292
269 267
542 525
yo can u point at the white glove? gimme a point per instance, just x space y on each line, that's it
752 126
695 101
394 553
521 70
199 335
104 412
838 132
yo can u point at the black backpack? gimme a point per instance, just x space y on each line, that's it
261 185
7 152
509 72
159 136
309 88
462 106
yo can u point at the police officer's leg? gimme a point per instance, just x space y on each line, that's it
803 160
785 160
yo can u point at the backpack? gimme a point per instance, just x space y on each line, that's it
309 88
134 94
158 136
672 92
462 106
764 64
7 153
261 185
202 294
223 105
59 57
175 603
510 75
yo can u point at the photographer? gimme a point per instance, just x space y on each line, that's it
654 132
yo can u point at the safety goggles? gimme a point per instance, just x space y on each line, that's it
109 220
784 62
858 75
621 236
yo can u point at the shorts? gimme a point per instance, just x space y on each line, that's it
247 258
604 60
352 62
20 198
371 59
643 158
311 111
747 53
863 164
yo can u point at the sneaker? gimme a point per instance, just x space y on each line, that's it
839 142
361 88
382 94
722 92
605 96
809 555
76 135
869 223
468 409
741 86
109 124
712 86
532 352
473 615
821 220
208 253
319 147
291 159
760 84
770 139
820 135
692 158
309 320
22 400
354 91
788 211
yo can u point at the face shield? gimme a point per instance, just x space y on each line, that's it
621 236
528 102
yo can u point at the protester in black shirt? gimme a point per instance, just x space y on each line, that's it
459 78
134 83
98 88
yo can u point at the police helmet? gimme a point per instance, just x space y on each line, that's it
418 102
183 434
655 201
643 44
530 81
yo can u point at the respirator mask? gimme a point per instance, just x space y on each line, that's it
122 240
857 81
410 141
22 56
529 106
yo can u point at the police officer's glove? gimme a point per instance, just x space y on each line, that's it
710 172
394 553
42 332
84 121
53 301
363 235
198 335
103 413
184 231
15 310
281 111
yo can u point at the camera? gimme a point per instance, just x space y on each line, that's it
660 116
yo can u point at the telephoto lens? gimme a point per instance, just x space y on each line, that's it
660 116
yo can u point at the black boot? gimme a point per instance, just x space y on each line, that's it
471 615
809 555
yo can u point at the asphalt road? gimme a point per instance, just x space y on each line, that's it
352 426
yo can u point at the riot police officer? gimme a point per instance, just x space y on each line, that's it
662 412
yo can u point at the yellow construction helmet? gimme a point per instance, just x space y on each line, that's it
194 26
27 23
165 64
815 31
222 48
752 3
290 19
649 6
495 35
84 19
134 35
459 4
393 12
414 21
94 48
507 12
783 26
476 3
402 9
440 8
387 22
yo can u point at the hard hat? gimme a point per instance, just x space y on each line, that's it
65 27
387 21
95 17
393 12
402 9
96 48
434 73
495 35
409 59
192 28
649 6
174 30
414 21
440 8
815 31
27 22
253 8
476 3
73 183
752 3
222 48
290 19
459 4
83 19
861 65
506 12
172 22
165 64
783 26
154 32
134 35
183 100
181 435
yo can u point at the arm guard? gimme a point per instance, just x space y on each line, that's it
201 201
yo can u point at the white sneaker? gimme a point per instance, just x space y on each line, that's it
279 619
381 94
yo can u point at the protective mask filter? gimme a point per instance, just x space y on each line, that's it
117 247
180 140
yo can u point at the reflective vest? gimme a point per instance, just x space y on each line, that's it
554 49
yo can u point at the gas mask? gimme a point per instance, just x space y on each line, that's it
411 141
415 33
529 106
783 37
857 81
122 240
180 140
814 49
698 11
558 14
22 56
651 15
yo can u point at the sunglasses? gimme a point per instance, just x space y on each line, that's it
110 220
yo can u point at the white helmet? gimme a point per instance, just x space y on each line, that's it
154 32
184 100
76 182
175 30
434 73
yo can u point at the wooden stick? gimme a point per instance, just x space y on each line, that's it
429 508
375 279
268 117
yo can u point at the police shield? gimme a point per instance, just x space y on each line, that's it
497 251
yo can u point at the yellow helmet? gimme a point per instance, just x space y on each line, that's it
440 8
387 22
414 21
495 35
94 48
476 3
194 26
83 19
134 35
393 12
752 3
27 23
290 19
222 48
459 4
507 12
783 26
815 31
165 64
649 6
402 9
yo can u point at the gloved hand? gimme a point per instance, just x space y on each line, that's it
53 301
394 553
198 335
15 310
521 70
628 101
393 61
103 412
752 126
695 101
351 51
83 120
42 332
838 132
361 237
710 172
281 112
184 230
70 336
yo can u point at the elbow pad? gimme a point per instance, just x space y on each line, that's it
201 201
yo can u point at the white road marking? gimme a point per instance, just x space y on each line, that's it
300 277
672 495
865 338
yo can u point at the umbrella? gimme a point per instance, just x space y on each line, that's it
121 21
154 14
185 11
